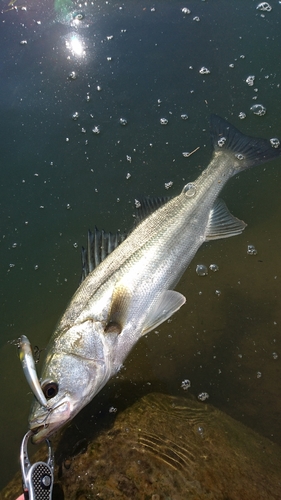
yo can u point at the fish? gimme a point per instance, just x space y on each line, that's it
128 283
29 370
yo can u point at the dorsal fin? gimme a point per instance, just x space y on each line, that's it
148 206
99 245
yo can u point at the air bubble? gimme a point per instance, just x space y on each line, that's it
264 6
275 143
185 10
204 71
275 355
184 116
218 293
203 396
189 189
75 245
196 18
23 42
186 154
36 267
123 121
75 115
259 374
201 270
258 109
185 384
72 75
214 267
168 185
14 245
68 207
112 409
96 130
242 115
137 204
239 156
221 141
164 121
251 250
250 80
128 175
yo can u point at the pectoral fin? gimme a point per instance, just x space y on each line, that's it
222 224
168 303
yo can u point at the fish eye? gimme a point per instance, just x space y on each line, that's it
50 389
78 16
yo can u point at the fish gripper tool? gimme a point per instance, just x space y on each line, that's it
37 478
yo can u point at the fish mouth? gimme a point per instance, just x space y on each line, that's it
38 434
53 420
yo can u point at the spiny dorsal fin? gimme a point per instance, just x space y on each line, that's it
247 151
148 206
99 245
222 224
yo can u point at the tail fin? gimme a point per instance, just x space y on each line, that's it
247 151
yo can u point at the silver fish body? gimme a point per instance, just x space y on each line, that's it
131 291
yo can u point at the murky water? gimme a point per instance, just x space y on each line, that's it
68 71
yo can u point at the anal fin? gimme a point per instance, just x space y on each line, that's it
222 224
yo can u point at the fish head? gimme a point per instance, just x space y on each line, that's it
75 370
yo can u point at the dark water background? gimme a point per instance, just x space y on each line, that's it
57 179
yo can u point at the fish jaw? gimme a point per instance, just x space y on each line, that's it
48 421
77 365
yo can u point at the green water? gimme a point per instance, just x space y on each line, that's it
139 61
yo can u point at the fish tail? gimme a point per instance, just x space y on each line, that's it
245 151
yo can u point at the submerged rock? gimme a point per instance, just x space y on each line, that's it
167 447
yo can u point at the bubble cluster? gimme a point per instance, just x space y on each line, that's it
185 384
203 396
251 250
201 270
96 130
259 374
123 121
204 71
239 156
250 80
264 6
185 10
242 115
221 141
164 121
218 293
168 185
275 355
75 116
112 409
275 143
258 109
184 116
